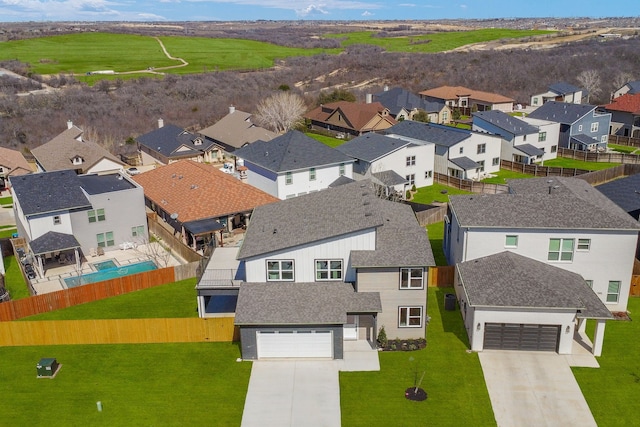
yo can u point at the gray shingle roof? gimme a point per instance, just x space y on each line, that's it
511 280
302 303
398 98
504 121
390 178
562 88
169 138
529 150
464 163
338 211
634 87
624 192
53 242
561 112
342 179
439 135
236 129
571 203
371 146
49 192
100 184
291 151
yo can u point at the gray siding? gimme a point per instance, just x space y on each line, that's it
249 345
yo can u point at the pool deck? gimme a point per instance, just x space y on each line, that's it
55 274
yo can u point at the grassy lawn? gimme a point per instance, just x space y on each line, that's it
7 232
612 390
622 148
563 162
138 385
434 193
6 200
435 232
13 279
327 140
502 176
174 300
454 382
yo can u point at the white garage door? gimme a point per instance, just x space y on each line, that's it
294 344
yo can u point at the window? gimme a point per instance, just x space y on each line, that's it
535 101
411 278
495 161
554 148
137 231
96 215
341 169
482 148
411 178
411 160
511 242
542 136
105 239
329 269
461 150
560 250
481 163
280 270
579 128
100 214
288 178
589 283
56 220
410 317
312 174
594 127
613 292
584 244
445 116
604 138
428 174
77 160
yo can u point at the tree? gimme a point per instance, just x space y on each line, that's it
421 116
281 112
336 95
590 80
621 79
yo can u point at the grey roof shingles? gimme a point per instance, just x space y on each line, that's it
529 150
53 242
49 192
561 112
389 178
168 139
236 129
398 98
291 151
509 123
562 88
624 192
371 146
510 280
584 139
465 163
100 184
283 303
542 203
436 134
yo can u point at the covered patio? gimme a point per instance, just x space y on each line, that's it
55 249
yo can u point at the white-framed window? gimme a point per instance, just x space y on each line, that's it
410 317
495 161
77 160
554 148
280 270
579 128
542 136
411 178
288 178
312 174
411 160
96 215
328 269
411 278
613 291
105 239
482 148
589 283
341 170
604 138
560 250
137 231
481 163
511 241
583 244
461 150
535 100
594 127
428 174
57 220
445 116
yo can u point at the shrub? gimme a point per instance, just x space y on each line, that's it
408 195
382 337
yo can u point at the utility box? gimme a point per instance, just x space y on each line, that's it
47 367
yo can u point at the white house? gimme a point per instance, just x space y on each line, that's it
632 88
561 92
293 164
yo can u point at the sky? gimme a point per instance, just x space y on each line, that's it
238 10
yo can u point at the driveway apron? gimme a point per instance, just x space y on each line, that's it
534 389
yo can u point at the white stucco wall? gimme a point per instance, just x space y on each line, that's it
397 162
105 165
302 184
493 146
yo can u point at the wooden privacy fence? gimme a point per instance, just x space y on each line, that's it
176 245
537 170
624 140
442 276
599 157
470 185
118 331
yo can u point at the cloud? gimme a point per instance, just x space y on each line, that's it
367 13
463 6
313 10
407 5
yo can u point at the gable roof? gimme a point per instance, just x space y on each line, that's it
542 203
398 98
583 139
562 88
14 161
465 163
53 241
58 154
49 192
389 178
562 112
628 103
236 129
197 191
506 122
335 212
174 142
529 150
510 280
291 151
436 134
624 192
371 146
455 92
355 115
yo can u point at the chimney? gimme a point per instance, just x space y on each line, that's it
69 124
160 123
232 109
369 98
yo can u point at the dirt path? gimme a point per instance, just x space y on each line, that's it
155 70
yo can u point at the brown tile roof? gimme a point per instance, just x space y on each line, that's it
199 191
356 114
236 129
626 103
454 92
14 161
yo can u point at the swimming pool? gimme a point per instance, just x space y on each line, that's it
110 273
104 265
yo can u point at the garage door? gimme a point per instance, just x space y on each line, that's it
294 344
511 336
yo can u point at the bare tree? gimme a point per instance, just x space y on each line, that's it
590 80
281 112
621 79
154 250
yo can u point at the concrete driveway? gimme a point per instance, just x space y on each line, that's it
293 393
533 389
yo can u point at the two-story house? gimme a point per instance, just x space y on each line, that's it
350 118
631 88
327 267
404 105
459 153
581 126
625 115
12 163
468 100
293 164
560 92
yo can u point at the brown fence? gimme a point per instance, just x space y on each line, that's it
176 245
441 277
469 185
538 170
117 331
429 214
624 140
599 157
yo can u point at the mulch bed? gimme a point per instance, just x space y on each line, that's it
620 315
417 395
404 345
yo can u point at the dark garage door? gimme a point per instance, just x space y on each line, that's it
511 336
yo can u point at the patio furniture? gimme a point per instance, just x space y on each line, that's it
62 259
100 250
92 251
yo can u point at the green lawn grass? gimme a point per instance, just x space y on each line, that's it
502 176
186 384
13 279
435 232
622 148
6 200
563 162
454 382
7 232
612 390
327 140
434 193
174 300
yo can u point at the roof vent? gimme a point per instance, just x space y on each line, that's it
275 230
367 214
194 186
180 177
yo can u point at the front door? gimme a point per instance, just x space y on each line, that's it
350 329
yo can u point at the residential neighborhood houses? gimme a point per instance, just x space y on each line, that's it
312 249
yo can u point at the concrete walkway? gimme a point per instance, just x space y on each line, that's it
534 389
